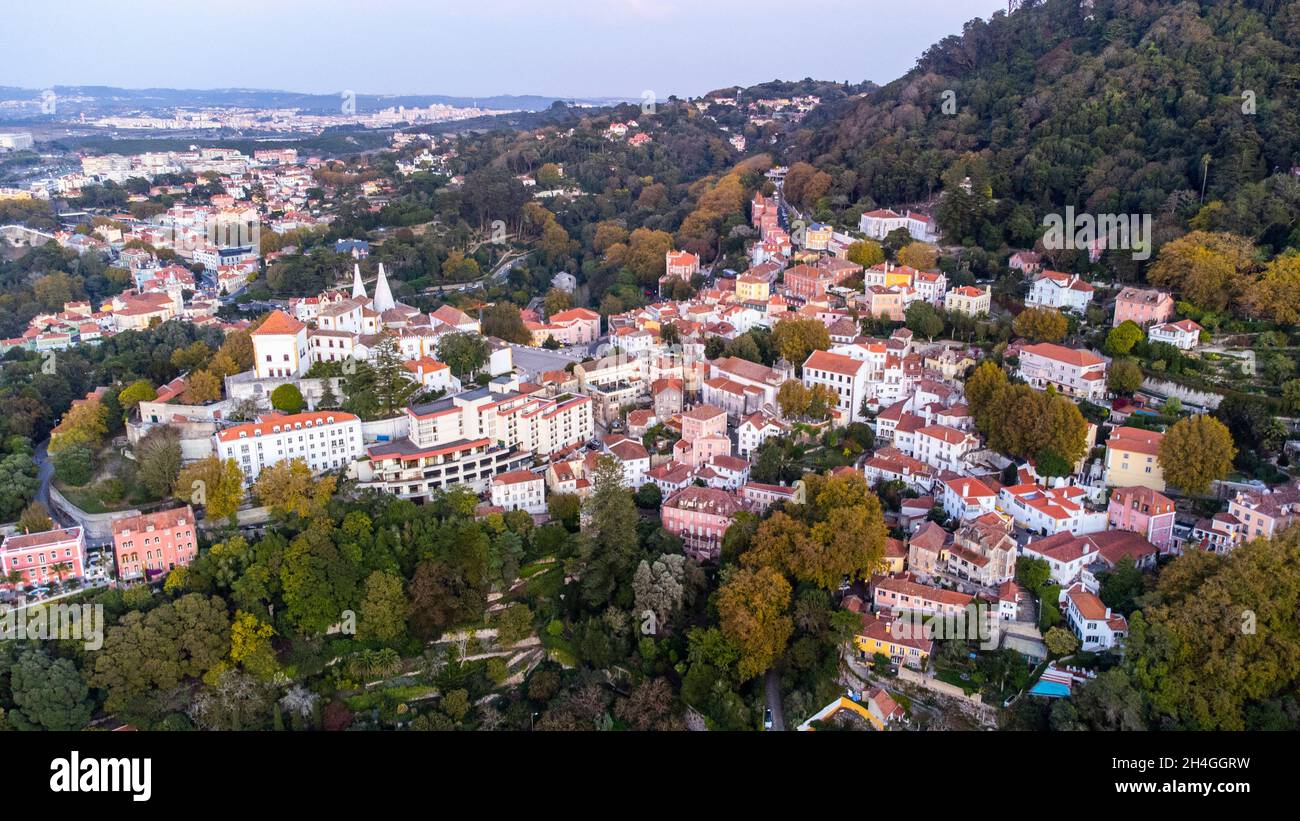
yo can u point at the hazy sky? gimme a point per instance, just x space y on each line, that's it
565 48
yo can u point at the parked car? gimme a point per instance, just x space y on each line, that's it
767 718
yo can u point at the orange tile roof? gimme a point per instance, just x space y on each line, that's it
279 323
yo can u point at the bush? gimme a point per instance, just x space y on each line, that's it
287 398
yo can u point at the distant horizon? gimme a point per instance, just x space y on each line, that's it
615 49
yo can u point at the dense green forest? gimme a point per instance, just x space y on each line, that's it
1116 108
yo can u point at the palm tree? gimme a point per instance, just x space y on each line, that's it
60 568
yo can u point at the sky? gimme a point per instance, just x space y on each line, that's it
561 48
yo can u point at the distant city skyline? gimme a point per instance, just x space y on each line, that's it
573 48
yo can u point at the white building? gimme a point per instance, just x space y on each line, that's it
1053 289
280 347
756 429
1184 334
325 440
848 377
468 438
633 457
1050 510
879 223
1076 373
1092 621
942 447
965 498
520 490
1066 555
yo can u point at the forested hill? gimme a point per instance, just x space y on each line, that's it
1111 108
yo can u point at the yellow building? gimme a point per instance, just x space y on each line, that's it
750 288
876 636
968 300
1133 459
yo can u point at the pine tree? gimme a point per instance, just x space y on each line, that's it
392 386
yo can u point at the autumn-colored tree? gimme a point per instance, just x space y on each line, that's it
84 424
216 484
1022 422
142 390
191 357
792 397
919 255
865 252
982 388
795 339
250 645
1060 642
646 255
606 235
556 301
1041 324
238 346
35 519
1196 451
1208 269
822 400
289 487
845 538
201 387
753 613
555 244
1275 296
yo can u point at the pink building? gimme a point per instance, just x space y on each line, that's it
700 516
1144 511
703 420
575 326
153 544
1143 306
42 557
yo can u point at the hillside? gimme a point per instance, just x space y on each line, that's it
1109 110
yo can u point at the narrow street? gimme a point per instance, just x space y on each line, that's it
772 684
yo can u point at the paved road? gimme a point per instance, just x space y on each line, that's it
45 474
772 684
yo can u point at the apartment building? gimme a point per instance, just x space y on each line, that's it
942 447
1133 459
1050 510
324 440
1262 513
153 544
849 378
1144 511
471 437
519 490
